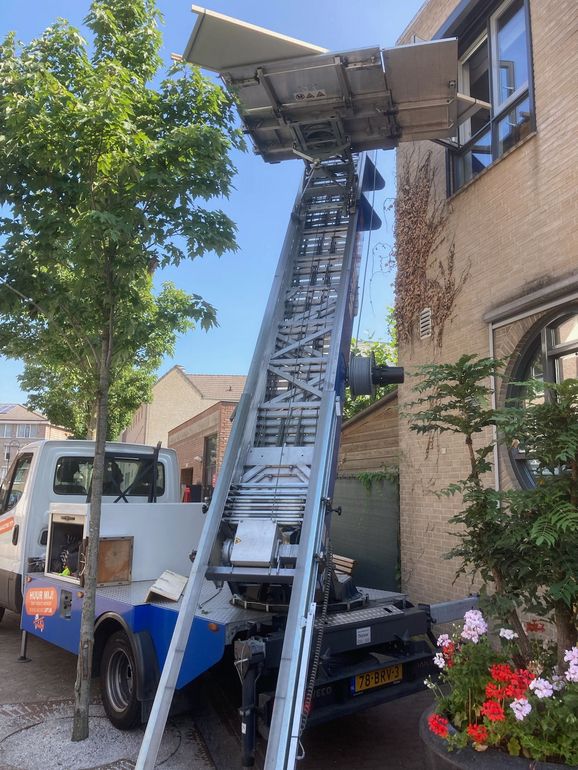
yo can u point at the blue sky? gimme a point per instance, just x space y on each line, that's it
238 284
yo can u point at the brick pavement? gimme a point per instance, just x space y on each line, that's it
38 692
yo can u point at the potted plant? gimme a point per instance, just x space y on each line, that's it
518 695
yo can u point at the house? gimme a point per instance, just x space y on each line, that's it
20 426
176 397
501 276
200 446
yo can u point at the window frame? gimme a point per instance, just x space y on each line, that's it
540 343
487 31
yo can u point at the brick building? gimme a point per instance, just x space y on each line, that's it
200 446
18 427
176 397
509 177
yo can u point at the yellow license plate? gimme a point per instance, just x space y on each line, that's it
378 678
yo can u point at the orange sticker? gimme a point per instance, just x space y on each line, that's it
41 601
7 525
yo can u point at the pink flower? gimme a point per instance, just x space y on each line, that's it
521 708
542 688
474 626
443 640
439 660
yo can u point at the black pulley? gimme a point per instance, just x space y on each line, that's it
364 375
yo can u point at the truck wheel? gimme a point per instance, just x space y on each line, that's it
118 682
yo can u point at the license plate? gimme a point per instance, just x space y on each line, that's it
378 678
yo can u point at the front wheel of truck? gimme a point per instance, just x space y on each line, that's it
118 682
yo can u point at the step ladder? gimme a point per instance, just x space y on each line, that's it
269 517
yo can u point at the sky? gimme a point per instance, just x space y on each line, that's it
238 284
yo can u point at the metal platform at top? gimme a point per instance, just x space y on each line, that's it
298 100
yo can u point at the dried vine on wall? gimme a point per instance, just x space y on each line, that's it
423 255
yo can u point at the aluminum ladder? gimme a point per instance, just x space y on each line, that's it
278 470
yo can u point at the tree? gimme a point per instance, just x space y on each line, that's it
523 542
64 391
103 177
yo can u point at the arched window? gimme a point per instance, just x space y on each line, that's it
552 356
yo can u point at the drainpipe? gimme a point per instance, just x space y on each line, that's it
493 385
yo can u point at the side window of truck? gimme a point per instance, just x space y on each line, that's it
14 483
124 475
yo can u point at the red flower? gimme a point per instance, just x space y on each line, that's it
519 683
438 725
534 626
493 711
478 733
501 672
494 691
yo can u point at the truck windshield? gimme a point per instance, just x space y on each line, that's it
13 485
123 475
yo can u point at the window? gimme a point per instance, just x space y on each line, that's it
494 68
552 355
209 465
26 431
13 486
124 475
6 430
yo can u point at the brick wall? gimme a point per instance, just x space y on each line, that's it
514 226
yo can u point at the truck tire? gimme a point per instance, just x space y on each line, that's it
118 678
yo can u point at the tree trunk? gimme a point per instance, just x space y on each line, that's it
86 645
566 632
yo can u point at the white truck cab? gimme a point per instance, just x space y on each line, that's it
48 472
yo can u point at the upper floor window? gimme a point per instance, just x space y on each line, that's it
495 69
26 431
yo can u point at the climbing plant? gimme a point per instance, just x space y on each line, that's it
423 252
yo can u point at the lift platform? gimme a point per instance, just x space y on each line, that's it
268 527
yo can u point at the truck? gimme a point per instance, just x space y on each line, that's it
375 649
306 643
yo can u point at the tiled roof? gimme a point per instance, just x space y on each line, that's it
219 387
19 413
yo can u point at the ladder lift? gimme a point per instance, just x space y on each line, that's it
267 533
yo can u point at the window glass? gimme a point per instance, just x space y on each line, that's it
123 475
514 126
6 431
494 69
13 485
567 367
475 82
546 362
512 52
567 331
475 159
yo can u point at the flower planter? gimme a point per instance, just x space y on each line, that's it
439 758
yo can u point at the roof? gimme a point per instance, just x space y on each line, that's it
19 413
388 398
219 387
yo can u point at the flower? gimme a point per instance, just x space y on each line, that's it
478 733
508 634
439 660
521 708
444 640
438 725
493 710
534 626
542 688
487 701
474 626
